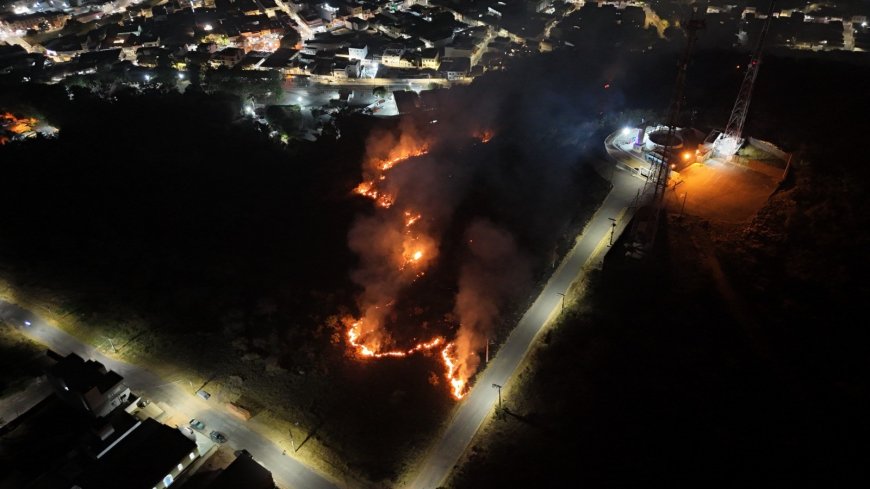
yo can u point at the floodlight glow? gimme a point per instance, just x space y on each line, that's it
625 131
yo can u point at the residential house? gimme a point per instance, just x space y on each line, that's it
245 472
149 455
87 385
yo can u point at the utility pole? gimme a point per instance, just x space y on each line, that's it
683 206
563 301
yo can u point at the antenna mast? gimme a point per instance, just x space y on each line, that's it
729 142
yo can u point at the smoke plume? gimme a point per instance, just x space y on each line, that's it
492 274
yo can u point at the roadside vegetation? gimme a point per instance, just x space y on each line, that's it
20 360
735 354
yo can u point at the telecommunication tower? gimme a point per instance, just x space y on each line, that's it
661 171
728 142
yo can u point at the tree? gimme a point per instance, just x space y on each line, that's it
290 39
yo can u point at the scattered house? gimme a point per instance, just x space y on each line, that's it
438 37
346 69
327 12
150 455
431 58
356 24
64 48
254 60
311 19
455 68
245 472
270 7
87 385
358 50
281 59
229 56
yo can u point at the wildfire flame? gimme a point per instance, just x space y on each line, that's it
413 252
484 136
17 125
457 384
354 337
400 155
370 349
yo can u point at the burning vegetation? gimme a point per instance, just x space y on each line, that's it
397 245
13 127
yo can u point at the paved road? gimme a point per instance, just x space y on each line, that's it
482 398
288 472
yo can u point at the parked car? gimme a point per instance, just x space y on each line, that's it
197 424
218 436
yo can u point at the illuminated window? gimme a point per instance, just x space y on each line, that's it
180 467
192 456
167 480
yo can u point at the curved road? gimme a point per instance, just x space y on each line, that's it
287 471
468 417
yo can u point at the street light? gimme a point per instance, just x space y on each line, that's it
612 229
496 386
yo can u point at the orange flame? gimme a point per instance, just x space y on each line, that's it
399 155
17 125
484 136
371 350
457 383
417 249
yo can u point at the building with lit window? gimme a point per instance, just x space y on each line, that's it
150 455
